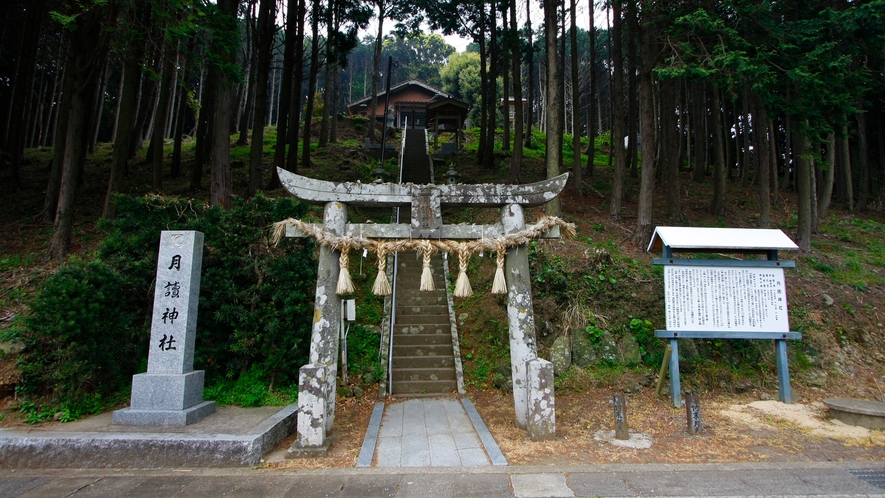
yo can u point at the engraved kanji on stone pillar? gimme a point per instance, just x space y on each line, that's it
170 393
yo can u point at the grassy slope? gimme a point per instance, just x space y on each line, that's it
601 274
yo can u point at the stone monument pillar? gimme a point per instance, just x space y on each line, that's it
171 392
520 314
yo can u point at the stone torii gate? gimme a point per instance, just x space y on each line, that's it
317 380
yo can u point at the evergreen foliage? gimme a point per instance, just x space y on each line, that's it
89 326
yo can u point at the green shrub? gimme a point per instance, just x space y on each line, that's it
89 327
82 323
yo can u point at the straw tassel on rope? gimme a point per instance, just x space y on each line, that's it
462 286
382 286
426 276
499 286
345 284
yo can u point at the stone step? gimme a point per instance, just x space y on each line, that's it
424 387
421 339
427 328
413 285
428 319
425 350
413 374
406 300
425 310
423 362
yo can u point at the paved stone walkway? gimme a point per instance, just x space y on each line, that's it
428 432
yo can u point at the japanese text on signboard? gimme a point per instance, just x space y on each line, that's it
725 299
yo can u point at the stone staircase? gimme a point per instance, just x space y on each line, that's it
416 161
423 357
423 354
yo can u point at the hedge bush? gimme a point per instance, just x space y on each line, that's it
89 327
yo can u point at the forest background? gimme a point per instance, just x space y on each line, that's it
784 98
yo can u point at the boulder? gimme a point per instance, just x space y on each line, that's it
629 350
560 355
583 350
607 349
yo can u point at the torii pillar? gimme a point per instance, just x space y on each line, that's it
520 314
317 380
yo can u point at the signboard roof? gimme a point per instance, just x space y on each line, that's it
721 239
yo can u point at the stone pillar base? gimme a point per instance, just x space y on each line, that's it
172 400
164 418
299 451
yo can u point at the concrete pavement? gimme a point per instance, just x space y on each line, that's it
818 479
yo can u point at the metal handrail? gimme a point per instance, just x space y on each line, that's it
399 180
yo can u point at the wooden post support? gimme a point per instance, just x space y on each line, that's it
783 371
620 403
693 413
674 374
663 372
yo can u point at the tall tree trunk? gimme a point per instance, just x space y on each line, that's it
516 62
698 106
506 55
488 158
285 91
98 105
55 97
178 131
312 82
592 99
249 91
145 98
484 84
789 165
554 125
530 62
328 90
88 49
802 160
264 42
617 139
336 98
60 137
632 90
34 132
576 100
297 82
720 178
845 163
772 141
670 137
128 106
160 117
745 119
863 169
763 135
205 127
376 70
644 227
24 77
220 186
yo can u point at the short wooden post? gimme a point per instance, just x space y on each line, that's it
620 404
693 413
